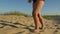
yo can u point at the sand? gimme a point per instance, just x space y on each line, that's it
13 24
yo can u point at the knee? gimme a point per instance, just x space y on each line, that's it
34 14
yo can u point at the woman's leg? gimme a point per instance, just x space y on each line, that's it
41 21
35 15
41 3
37 6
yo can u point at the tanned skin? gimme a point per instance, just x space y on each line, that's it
36 14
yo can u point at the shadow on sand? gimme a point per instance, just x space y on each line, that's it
5 23
25 26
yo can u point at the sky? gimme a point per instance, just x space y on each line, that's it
51 7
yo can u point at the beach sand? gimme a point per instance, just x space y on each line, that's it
13 24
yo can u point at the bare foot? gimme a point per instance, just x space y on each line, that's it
41 27
36 30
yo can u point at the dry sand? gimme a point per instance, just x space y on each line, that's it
12 24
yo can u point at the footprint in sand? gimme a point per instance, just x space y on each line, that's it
58 28
55 32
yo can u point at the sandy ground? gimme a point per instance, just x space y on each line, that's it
12 24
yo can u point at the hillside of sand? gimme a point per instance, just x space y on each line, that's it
13 24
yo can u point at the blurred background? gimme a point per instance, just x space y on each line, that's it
51 7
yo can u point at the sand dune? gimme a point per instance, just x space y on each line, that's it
13 24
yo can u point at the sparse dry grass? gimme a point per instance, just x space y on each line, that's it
47 17
15 13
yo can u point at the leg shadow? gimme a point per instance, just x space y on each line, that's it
25 26
5 23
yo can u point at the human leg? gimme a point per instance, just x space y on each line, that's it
37 6
41 3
